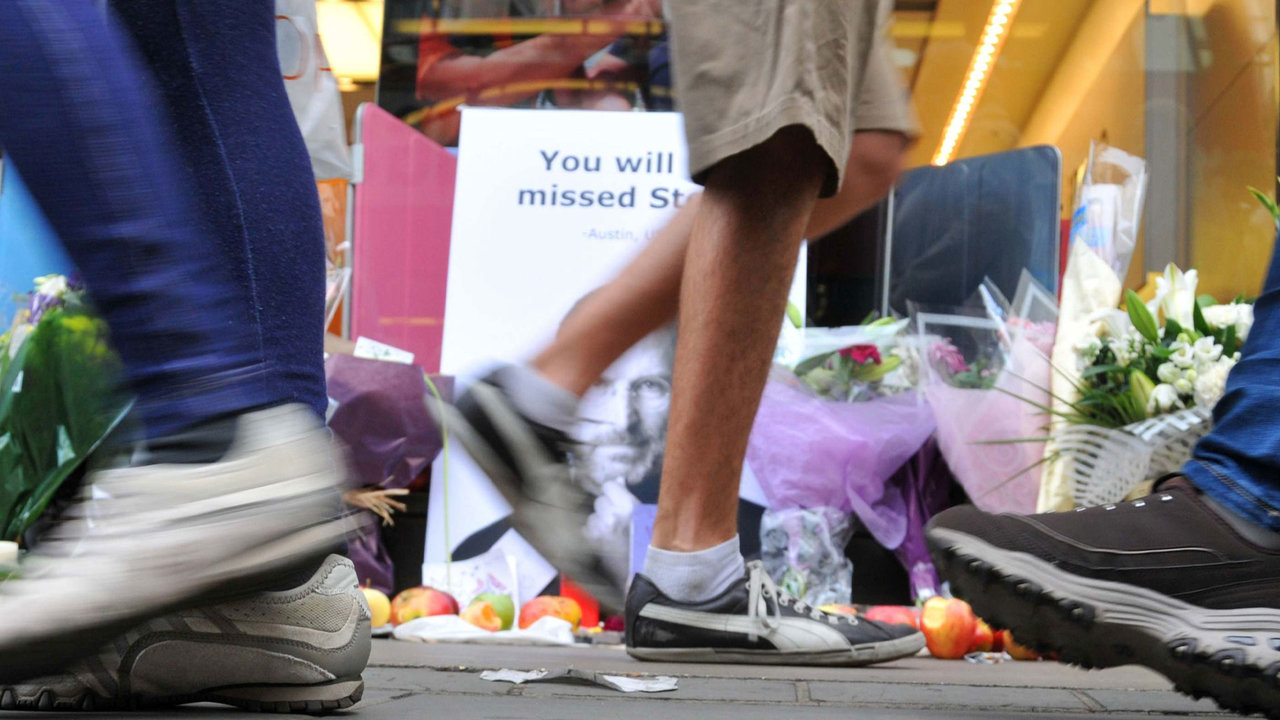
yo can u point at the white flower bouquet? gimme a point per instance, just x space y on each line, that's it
1146 388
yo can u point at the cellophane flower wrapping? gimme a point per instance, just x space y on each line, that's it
833 458
803 550
380 416
992 438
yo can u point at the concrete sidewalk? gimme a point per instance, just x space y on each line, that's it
442 682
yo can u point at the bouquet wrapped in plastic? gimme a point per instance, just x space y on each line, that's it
1148 378
987 381
59 399
378 412
829 458
1104 230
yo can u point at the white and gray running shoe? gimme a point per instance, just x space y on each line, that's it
756 622
300 649
149 540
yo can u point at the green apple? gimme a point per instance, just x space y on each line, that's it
502 605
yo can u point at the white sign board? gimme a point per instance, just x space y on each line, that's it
549 205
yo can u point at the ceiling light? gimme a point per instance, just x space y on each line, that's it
994 33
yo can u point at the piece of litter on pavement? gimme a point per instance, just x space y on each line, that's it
622 683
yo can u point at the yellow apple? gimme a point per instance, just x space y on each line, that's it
379 606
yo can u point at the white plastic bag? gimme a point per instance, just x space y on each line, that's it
312 88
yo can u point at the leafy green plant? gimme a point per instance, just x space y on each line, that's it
59 399
1267 202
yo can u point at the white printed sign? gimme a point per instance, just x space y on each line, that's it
549 205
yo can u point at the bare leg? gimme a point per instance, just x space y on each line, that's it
741 257
646 294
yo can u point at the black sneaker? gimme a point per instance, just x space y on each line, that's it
527 462
756 623
1166 582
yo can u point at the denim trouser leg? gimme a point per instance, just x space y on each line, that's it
80 121
218 72
1238 463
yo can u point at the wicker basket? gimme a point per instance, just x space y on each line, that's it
1104 465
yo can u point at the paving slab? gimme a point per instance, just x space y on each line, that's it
916 670
425 680
652 709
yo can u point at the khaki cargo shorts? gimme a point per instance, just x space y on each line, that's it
745 69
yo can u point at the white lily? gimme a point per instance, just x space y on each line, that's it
1176 295
1110 322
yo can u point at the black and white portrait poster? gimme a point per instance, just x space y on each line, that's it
548 207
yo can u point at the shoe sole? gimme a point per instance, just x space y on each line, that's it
857 655
542 525
309 699
241 576
1232 656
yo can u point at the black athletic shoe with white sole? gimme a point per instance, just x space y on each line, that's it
527 462
756 622
1167 581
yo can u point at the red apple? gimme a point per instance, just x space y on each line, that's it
948 625
997 640
566 609
983 638
419 602
894 615
1016 651
483 615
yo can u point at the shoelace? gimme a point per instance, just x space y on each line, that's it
761 586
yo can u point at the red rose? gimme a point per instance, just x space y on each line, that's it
861 354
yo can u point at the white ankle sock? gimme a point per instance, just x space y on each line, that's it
693 577
539 398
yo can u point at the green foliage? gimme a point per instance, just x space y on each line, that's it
981 375
1267 202
1143 321
59 399
793 314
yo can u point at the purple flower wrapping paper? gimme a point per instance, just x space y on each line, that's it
382 419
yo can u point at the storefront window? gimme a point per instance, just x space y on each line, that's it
1188 85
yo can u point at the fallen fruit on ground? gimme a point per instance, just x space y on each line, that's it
483 615
379 606
947 624
421 601
564 608
502 604
894 615
984 640
1016 651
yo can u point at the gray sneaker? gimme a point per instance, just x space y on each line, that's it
150 540
296 650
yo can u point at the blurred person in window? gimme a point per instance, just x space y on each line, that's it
497 69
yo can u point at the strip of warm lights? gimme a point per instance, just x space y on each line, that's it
975 80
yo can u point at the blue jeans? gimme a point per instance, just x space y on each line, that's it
181 191
1238 463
